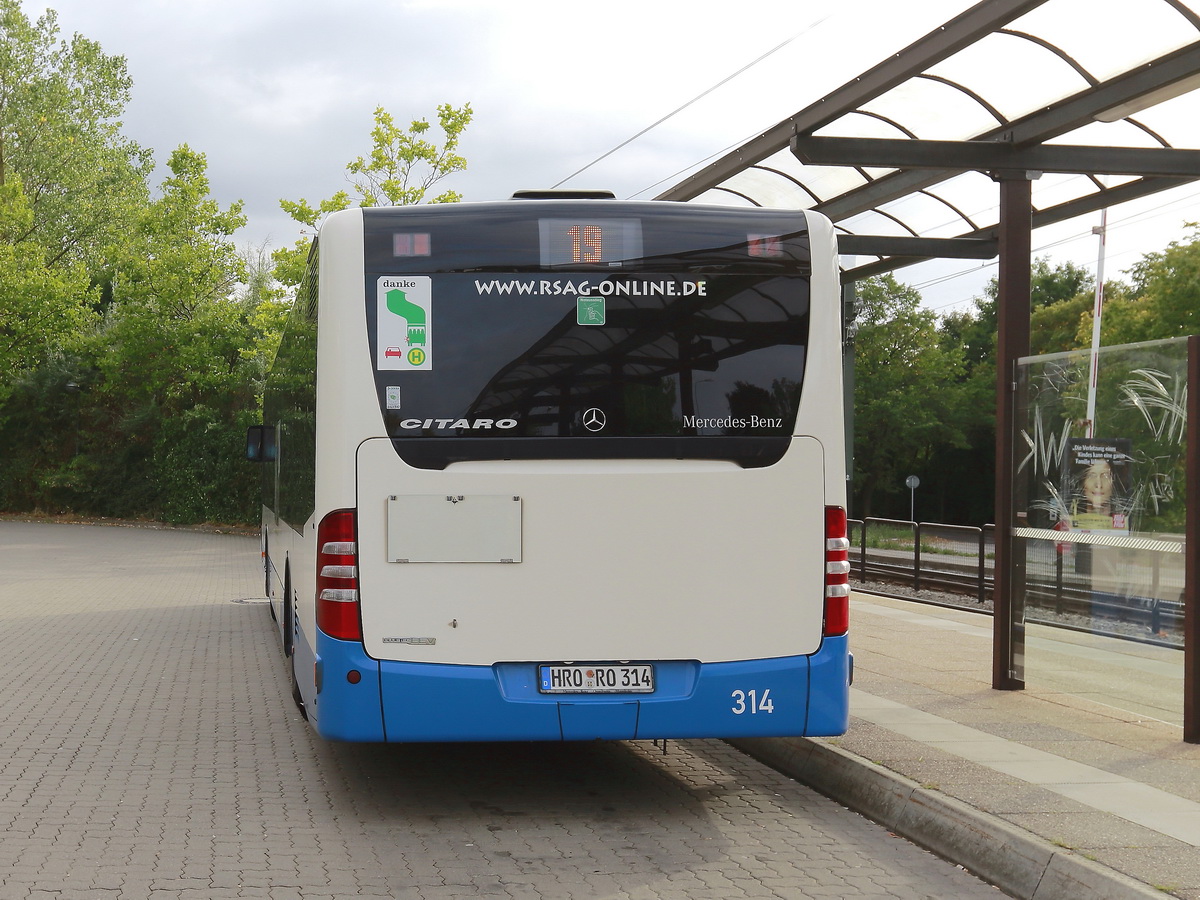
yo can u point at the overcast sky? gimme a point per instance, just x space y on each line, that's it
279 94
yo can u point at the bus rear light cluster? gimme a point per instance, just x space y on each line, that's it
337 576
837 572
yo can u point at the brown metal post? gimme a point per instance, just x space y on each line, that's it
1191 589
1012 342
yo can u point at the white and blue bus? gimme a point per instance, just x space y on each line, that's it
561 467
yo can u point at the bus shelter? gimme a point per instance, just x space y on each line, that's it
1054 113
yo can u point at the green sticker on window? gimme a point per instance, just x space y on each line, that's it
590 311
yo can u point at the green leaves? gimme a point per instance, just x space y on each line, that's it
60 103
69 184
400 170
134 336
906 395
169 328
1164 301
403 165
42 308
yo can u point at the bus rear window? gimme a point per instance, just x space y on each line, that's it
684 354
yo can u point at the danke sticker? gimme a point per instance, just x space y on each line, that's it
405 339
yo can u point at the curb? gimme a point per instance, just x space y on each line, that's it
1021 864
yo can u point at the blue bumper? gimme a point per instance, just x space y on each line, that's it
392 701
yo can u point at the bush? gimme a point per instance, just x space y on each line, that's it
201 473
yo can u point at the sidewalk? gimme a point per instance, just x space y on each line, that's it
1043 792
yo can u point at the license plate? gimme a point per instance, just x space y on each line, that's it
584 679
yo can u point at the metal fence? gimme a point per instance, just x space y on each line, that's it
952 558
1061 577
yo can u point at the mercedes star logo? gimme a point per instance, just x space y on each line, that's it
593 419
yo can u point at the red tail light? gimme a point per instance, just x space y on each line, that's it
837 572
337 576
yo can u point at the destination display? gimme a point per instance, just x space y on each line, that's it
573 242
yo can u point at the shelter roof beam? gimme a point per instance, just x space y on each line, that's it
1053 121
1051 215
995 156
889 245
1089 105
960 32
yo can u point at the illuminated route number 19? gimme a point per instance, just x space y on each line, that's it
750 702
586 243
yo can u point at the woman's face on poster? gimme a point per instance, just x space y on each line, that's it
1098 485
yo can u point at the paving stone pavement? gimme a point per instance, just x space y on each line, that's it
1088 760
149 749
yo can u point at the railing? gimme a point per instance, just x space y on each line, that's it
954 558
1057 585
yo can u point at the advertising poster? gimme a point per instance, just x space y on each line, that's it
1098 484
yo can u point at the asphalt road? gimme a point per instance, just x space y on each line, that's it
150 749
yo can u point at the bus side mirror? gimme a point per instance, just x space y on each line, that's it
260 444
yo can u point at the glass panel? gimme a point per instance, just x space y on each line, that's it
974 195
934 110
1053 188
721 356
780 182
1110 134
1108 37
927 216
770 189
724 198
1002 67
858 124
871 222
529 323
1099 534
1177 121
823 181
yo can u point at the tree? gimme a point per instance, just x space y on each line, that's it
1052 285
60 109
265 304
905 394
963 475
1163 300
403 165
171 333
42 308
68 184
1055 294
154 403
400 170
175 376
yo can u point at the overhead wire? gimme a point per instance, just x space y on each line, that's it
694 100
687 168
1153 212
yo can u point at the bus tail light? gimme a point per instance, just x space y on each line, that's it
837 572
337 576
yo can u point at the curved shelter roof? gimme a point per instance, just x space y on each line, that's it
1069 107
1096 110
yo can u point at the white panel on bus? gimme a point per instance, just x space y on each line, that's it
622 560
454 528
